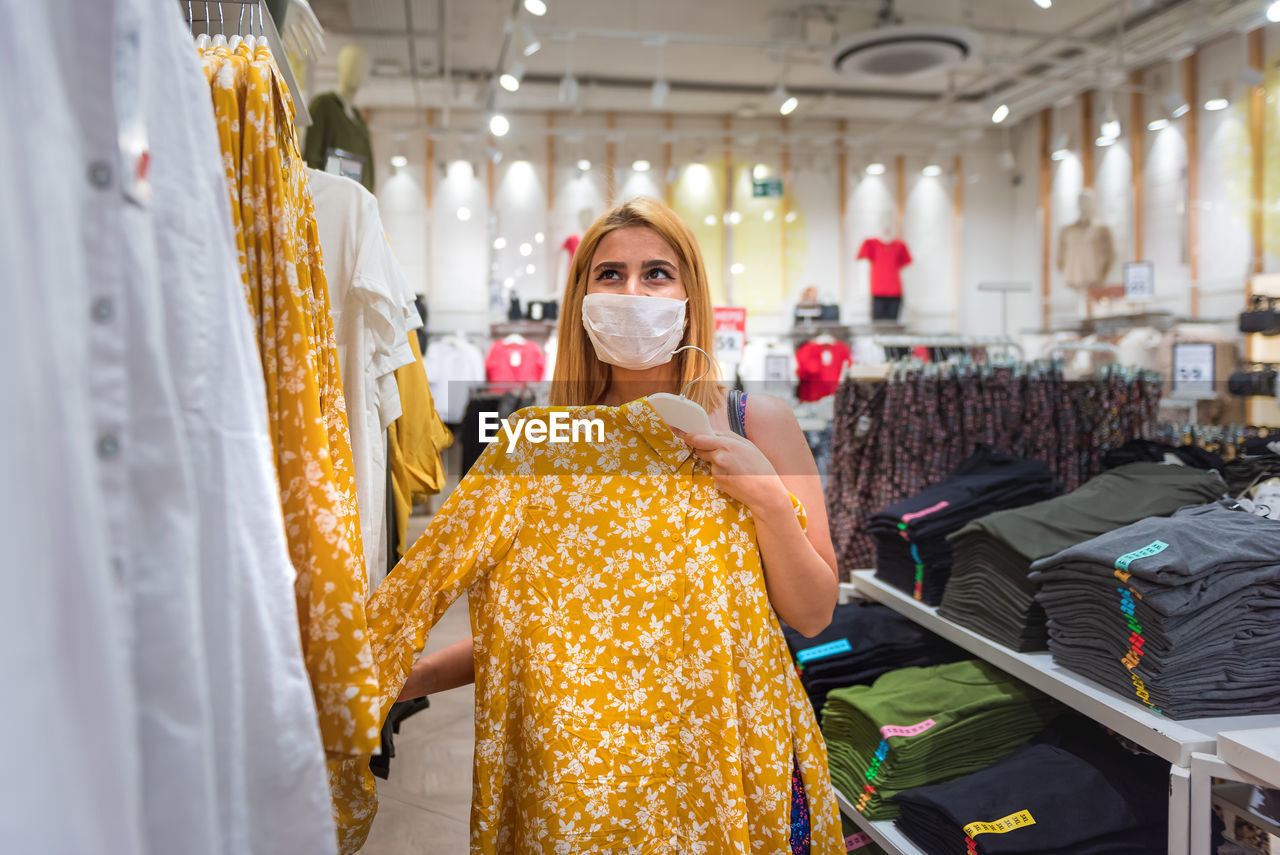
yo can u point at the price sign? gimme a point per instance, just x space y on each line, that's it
1139 280
731 332
1193 370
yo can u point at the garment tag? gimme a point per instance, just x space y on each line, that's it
910 730
856 841
1000 826
915 515
1153 548
824 651
131 120
515 359
777 368
344 163
826 357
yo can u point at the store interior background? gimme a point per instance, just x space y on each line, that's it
1183 197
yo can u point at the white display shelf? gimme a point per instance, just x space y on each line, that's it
884 832
1256 752
1174 741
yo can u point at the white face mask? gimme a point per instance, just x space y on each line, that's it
633 331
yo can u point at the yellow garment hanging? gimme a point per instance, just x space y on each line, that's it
414 443
288 298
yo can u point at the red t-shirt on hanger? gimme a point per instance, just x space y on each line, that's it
818 366
514 362
886 260
571 244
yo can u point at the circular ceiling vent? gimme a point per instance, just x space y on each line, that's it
899 51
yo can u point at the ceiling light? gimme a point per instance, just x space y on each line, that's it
875 168
1110 126
768 215
509 82
498 125
535 7
1044 4
1100 142
790 217
1273 12
530 269
759 172
584 164
568 89
531 43
539 238
733 218
399 160
1181 110
640 165
658 94
1059 154
464 213
1061 147
509 282
787 102
1007 161
737 269
1158 124
526 249
1217 100
1000 113
933 170
709 219
500 243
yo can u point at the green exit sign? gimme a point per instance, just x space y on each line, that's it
767 188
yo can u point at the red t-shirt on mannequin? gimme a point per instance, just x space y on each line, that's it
886 260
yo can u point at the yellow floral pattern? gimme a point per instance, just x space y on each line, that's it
289 298
633 687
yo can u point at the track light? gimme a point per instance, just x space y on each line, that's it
511 80
1217 100
464 213
933 170
641 165
498 125
759 172
1158 124
583 164
875 167
787 102
399 161
526 249
1044 4
568 89
1273 12
1061 147
499 243
1110 126
658 95
1000 113
531 43
535 7
1102 142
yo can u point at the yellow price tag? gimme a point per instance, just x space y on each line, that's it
1000 826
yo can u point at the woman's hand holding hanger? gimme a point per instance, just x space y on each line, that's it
740 469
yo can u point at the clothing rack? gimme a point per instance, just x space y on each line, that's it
1092 346
267 29
949 341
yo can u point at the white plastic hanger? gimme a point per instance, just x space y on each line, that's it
514 338
202 40
677 410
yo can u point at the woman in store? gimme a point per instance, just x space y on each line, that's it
634 684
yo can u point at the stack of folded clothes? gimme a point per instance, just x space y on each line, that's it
857 841
919 726
863 641
1181 613
989 591
912 552
1072 790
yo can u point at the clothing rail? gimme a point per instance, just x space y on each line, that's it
267 28
952 341
1094 346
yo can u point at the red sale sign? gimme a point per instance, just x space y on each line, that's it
731 332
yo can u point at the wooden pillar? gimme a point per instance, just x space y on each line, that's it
610 163
1257 153
1191 90
899 193
786 202
842 188
428 189
489 176
1046 186
957 237
1137 159
668 189
1087 134
725 226
551 164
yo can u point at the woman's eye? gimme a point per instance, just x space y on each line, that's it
607 274
659 273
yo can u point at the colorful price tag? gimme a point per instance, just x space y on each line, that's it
823 651
1153 548
1000 826
911 730
856 841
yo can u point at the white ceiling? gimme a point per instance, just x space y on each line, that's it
726 57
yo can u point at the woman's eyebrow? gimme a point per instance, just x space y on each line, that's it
610 265
654 262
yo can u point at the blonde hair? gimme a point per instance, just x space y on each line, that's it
580 377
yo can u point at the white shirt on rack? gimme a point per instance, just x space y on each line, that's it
367 296
151 635
454 367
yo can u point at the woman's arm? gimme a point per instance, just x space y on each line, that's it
799 563
446 668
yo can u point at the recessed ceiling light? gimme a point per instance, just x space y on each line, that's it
399 160
536 7
640 165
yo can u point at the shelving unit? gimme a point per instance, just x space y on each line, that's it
1174 741
885 833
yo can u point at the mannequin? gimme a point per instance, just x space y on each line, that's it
886 255
338 139
1085 251
564 257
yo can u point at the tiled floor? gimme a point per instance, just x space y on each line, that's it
424 808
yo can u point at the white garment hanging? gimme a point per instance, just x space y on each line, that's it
454 367
171 519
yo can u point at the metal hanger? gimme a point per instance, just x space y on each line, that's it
679 411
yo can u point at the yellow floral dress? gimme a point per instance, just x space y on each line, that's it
633 687
289 299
